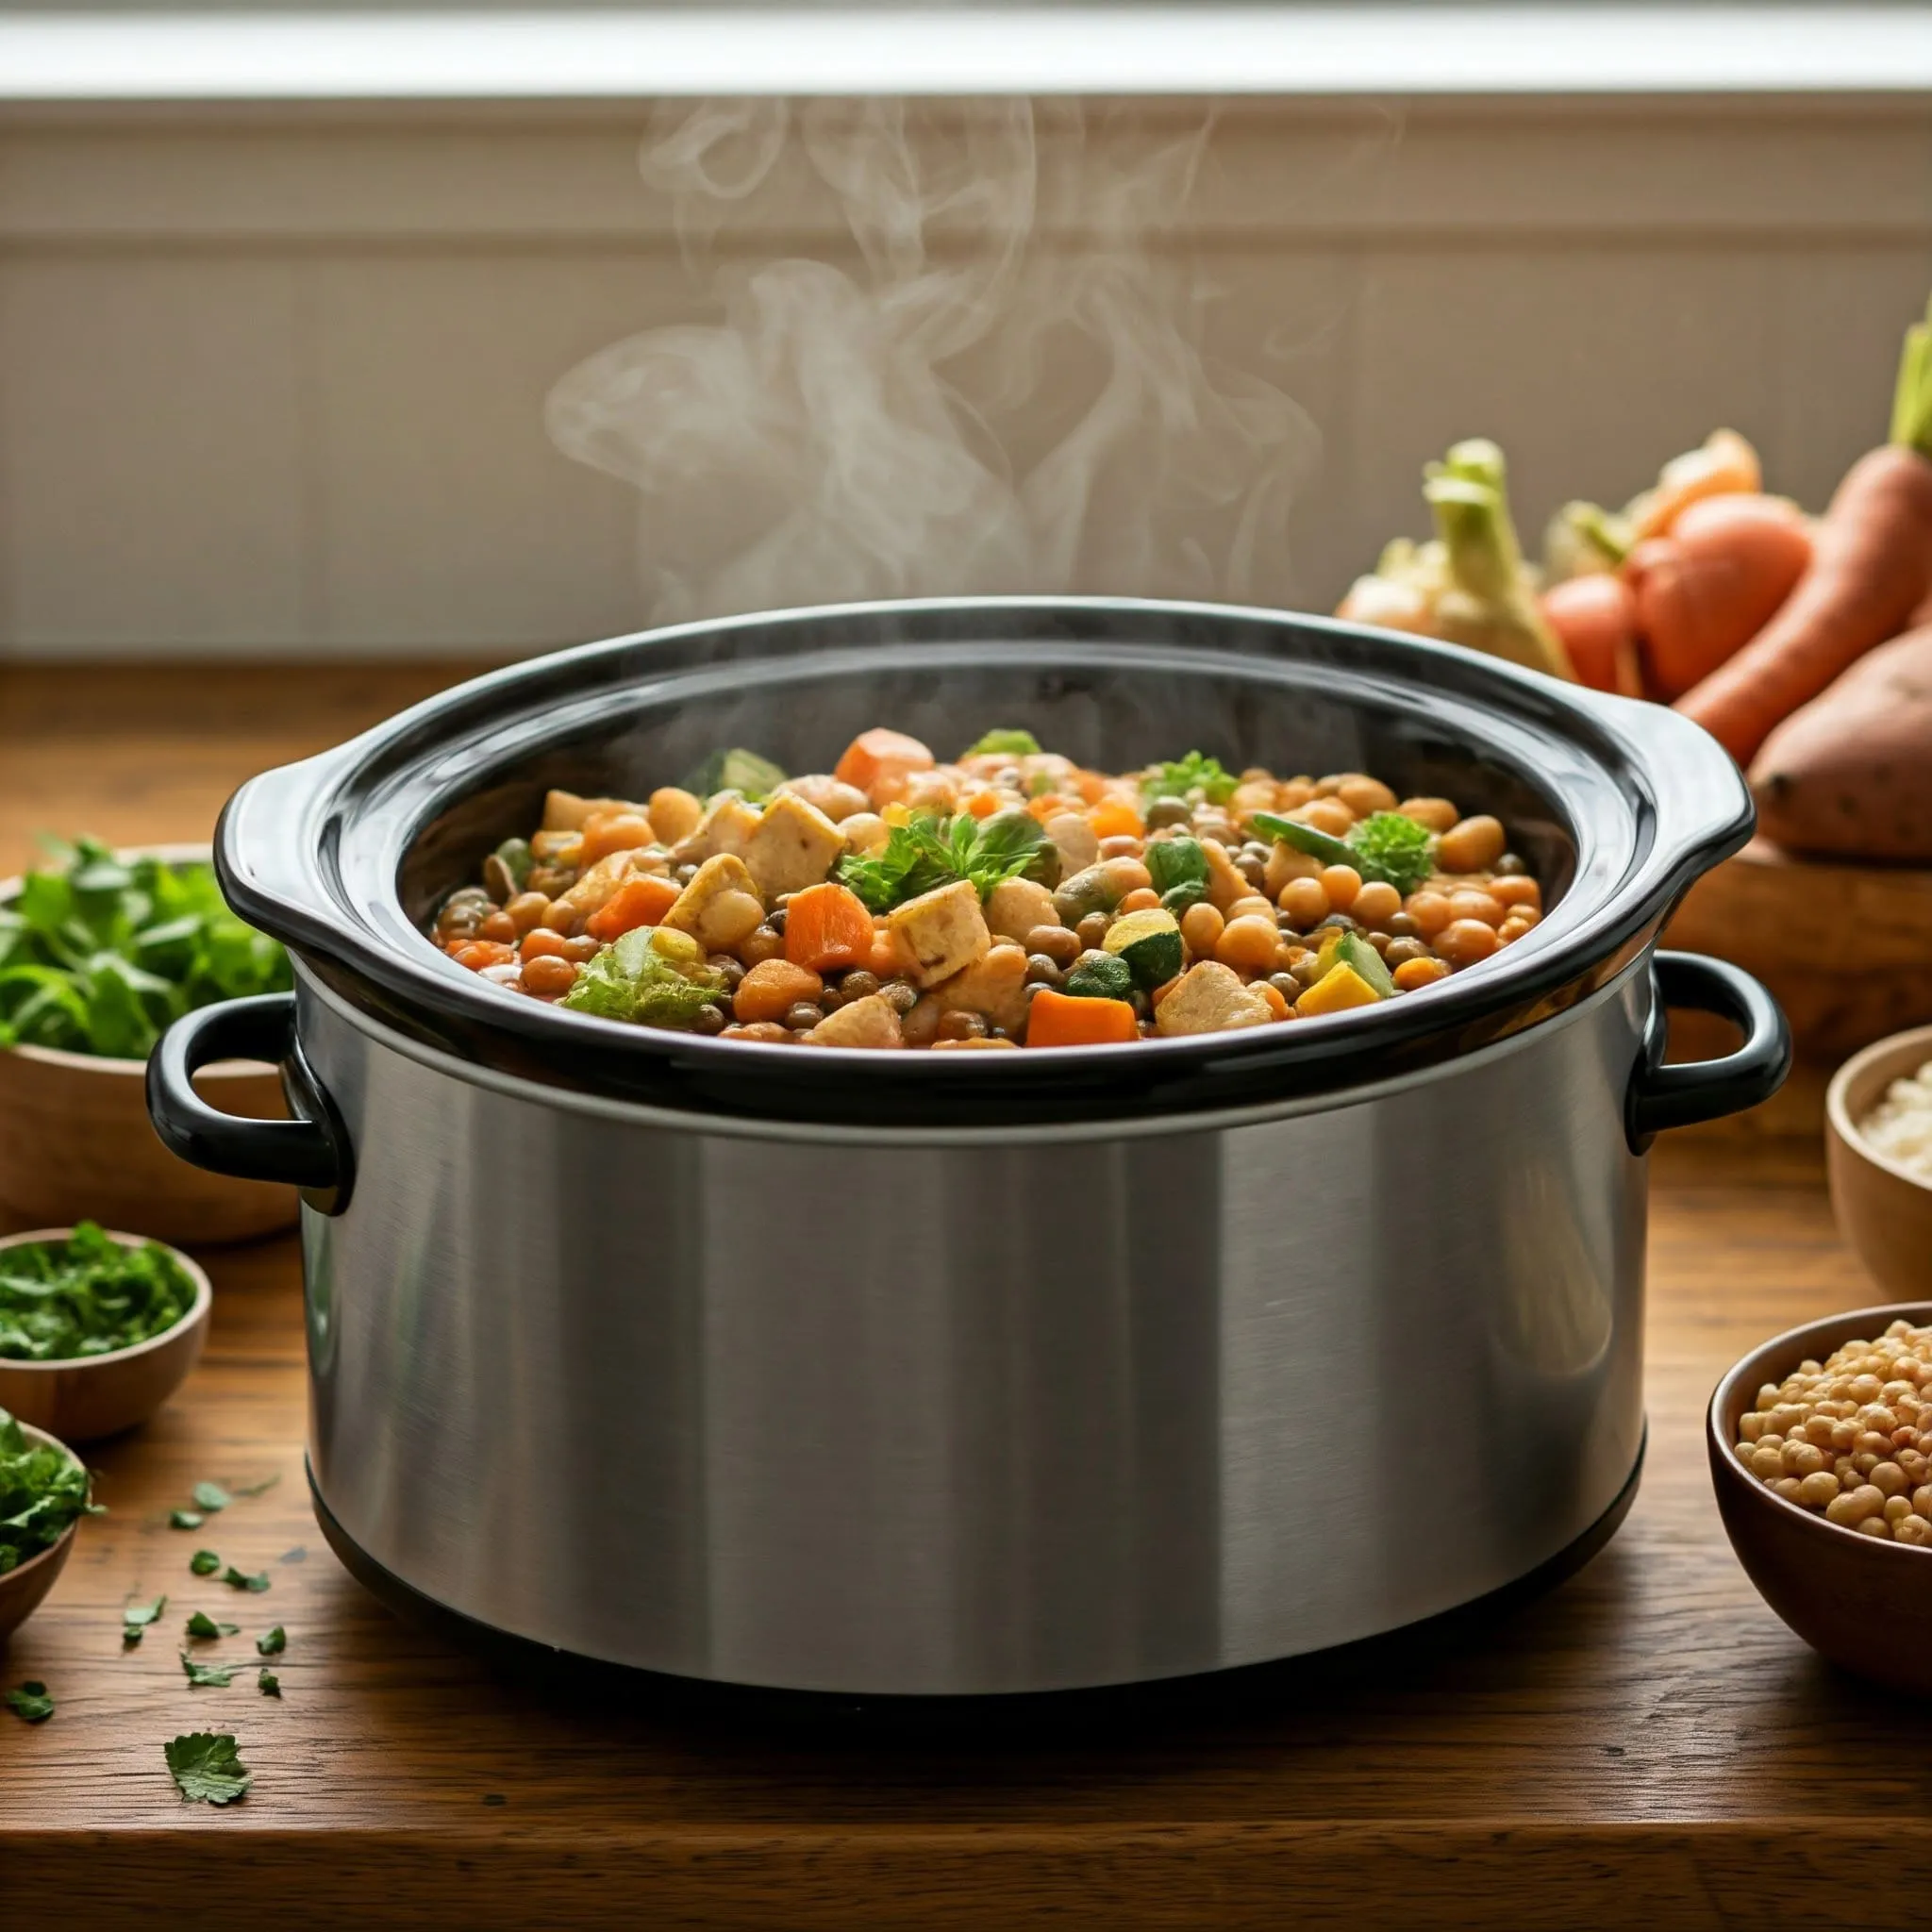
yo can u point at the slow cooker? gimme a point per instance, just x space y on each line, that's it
950 1373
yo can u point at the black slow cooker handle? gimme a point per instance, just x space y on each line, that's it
1694 1090
309 1151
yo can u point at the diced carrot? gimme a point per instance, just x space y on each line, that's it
1051 805
1058 1018
982 805
828 926
881 759
605 832
1116 818
643 899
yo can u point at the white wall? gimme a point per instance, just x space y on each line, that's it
273 383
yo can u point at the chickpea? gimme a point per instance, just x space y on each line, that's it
548 976
1521 892
1767 1463
526 911
1430 911
1413 974
1168 811
1277 1004
1249 944
1250 906
1124 876
1511 931
1286 863
498 927
559 915
1092 929
1293 793
1472 904
1816 1490
1889 1479
1364 796
1120 845
541 943
761 943
1059 946
1041 970
1465 942
1201 929
1342 883
1326 815
1806 1458
1470 845
1142 899
767 1030
1912 1530
1851 1507
1376 904
1402 951
1438 814
1306 902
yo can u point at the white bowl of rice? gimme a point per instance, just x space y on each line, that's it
1879 1154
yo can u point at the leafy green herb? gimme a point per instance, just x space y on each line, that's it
632 980
87 1295
928 852
205 1767
745 772
1184 776
1384 846
268 1684
202 1625
99 957
204 1562
274 1644
185 1518
135 1618
42 1490
208 1676
31 1703
1179 869
1105 978
1015 744
211 1496
235 1579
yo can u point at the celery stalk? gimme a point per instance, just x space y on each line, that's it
1911 406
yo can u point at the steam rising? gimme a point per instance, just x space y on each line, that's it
1000 389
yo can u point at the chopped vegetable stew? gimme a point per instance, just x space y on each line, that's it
1008 898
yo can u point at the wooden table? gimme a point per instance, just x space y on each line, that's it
1646 1745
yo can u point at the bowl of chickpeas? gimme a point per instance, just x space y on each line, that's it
1821 1453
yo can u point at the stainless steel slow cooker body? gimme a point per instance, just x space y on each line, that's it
927 1386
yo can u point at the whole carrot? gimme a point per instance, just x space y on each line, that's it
1871 567
1594 618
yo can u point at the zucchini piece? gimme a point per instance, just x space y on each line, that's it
1150 942
1109 979
744 772
1017 744
1179 870
1351 950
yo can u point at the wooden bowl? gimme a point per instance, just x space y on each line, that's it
1884 1209
76 1144
22 1589
96 1395
1864 1604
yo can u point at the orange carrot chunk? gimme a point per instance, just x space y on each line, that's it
826 928
605 832
643 899
1115 818
1058 1018
880 760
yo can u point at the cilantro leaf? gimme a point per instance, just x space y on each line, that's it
205 1767
928 852
42 1490
185 1518
211 1496
30 1703
204 1562
1016 744
135 1619
86 1295
274 1644
268 1684
236 1580
202 1625
208 1676
1194 773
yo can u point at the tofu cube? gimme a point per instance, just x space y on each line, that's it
1015 906
871 1022
1209 998
794 846
995 985
720 908
726 828
940 932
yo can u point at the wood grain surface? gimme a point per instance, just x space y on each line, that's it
1644 1745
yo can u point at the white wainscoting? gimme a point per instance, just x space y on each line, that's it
271 383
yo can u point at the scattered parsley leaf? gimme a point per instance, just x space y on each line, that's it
185 1518
234 1578
1194 773
202 1625
30 1703
205 1767
135 1618
87 1294
211 1496
213 1676
268 1684
204 1562
44 1489
274 1644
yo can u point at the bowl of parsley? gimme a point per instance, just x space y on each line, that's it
100 952
97 1329
45 1491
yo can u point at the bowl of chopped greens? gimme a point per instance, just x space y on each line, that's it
97 1329
45 1491
100 952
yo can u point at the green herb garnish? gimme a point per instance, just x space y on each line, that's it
211 1496
1384 846
268 1684
204 1562
1105 979
236 1580
207 1677
202 1625
87 1295
928 852
135 1619
30 1703
274 1644
205 1767
632 981
100 955
1179 870
1184 776
1014 744
185 1518
42 1490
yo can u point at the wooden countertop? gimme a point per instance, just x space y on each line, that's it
1645 1745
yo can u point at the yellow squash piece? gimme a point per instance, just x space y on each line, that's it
1336 991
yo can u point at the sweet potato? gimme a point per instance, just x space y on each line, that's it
1849 775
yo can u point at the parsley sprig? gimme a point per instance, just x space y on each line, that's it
929 851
